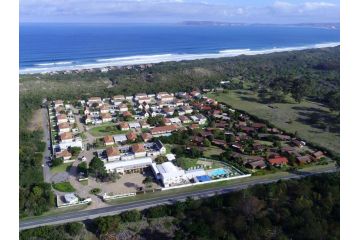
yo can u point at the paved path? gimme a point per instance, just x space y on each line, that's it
168 199
47 140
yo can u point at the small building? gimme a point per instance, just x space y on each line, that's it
184 119
120 138
108 140
256 164
303 159
131 136
61 118
106 117
278 161
113 154
71 198
65 155
64 127
128 166
66 137
317 155
124 126
134 125
139 150
146 136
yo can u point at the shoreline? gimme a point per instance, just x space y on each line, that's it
106 64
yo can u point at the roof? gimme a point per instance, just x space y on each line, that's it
64 125
105 115
64 153
278 160
120 138
94 99
318 154
119 97
124 125
131 135
61 116
303 159
108 139
138 147
128 163
112 151
66 136
162 129
146 136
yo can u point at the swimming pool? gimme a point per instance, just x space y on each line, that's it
217 172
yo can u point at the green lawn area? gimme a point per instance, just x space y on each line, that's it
61 168
64 187
101 131
291 117
213 150
186 163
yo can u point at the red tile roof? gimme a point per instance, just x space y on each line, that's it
278 160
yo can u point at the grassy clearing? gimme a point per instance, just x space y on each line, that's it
101 131
64 187
213 150
291 117
61 168
186 163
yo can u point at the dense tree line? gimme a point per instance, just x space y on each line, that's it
307 73
35 196
308 208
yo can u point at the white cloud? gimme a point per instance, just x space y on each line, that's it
318 5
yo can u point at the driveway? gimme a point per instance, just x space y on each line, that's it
47 140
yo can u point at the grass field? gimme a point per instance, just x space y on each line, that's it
186 163
213 150
61 168
291 117
101 131
64 187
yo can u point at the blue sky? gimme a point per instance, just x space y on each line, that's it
167 11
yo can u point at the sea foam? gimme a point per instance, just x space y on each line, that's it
157 58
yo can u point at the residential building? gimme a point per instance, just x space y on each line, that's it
139 150
108 140
113 154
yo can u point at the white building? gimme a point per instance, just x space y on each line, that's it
71 198
169 174
122 166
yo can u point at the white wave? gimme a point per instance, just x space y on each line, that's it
157 58
54 63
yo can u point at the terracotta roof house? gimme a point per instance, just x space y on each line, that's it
131 136
219 142
303 159
124 126
66 136
258 125
317 155
61 118
64 127
112 153
106 117
256 164
193 126
108 140
163 129
65 155
138 147
278 161
297 143
146 136
127 114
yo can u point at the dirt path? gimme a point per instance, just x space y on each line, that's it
36 121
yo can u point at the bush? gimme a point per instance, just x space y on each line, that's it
74 229
63 187
131 216
157 212
57 162
95 191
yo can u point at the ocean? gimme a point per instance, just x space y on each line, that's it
54 47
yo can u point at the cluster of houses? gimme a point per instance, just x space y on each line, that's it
67 138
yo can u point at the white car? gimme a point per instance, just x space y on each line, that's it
83 158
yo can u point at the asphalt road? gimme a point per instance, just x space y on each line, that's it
142 204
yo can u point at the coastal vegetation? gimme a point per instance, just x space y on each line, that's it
295 209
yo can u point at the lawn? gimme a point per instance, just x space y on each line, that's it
101 131
64 187
291 117
213 150
61 168
186 163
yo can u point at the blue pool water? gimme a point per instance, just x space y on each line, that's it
217 172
